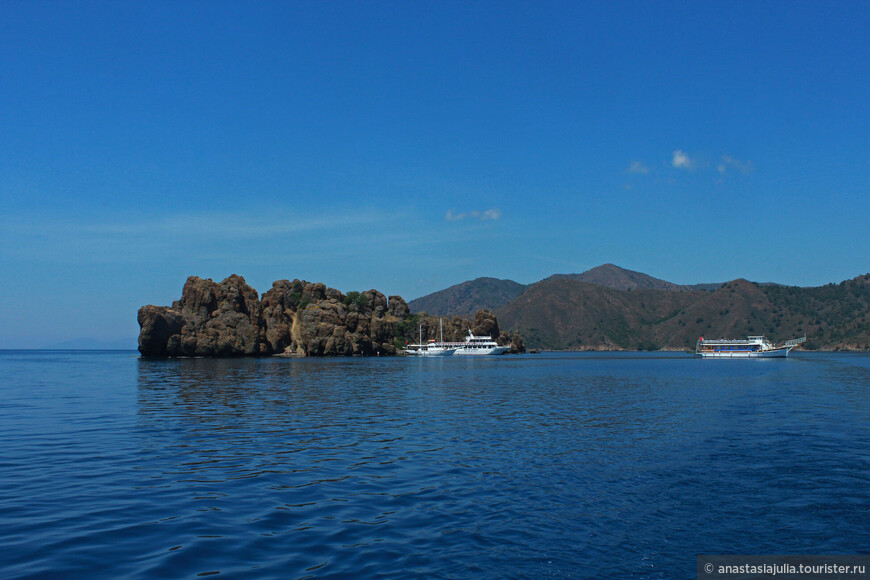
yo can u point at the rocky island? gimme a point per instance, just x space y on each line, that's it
230 319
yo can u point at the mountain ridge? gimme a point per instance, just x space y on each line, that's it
492 293
613 276
467 297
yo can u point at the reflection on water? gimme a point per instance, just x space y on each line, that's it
549 465
528 465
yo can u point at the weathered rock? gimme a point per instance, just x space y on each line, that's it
210 320
382 336
376 301
514 341
485 324
277 313
158 325
313 292
398 307
456 329
359 328
333 294
322 329
517 344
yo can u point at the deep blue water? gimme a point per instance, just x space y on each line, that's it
536 466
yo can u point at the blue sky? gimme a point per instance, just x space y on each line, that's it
409 146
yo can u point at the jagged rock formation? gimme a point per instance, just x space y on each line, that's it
159 324
485 324
211 319
292 318
515 340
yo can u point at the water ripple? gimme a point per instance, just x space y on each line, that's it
558 466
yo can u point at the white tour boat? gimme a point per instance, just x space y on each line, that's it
431 348
752 347
478 345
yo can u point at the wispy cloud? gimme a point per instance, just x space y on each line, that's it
490 214
209 225
727 162
638 167
681 160
118 238
251 239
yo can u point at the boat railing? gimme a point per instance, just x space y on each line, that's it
795 341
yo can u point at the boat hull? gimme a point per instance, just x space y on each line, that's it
482 351
773 353
431 352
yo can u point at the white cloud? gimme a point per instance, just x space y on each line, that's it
681 160
638 167
490 214
727 162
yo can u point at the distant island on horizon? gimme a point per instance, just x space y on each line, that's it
88 343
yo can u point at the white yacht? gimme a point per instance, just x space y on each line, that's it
478 345
752 347
432 347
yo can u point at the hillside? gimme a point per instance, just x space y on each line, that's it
562 313
468 297
566 313
492 293
613 276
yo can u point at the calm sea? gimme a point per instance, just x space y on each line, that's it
536 466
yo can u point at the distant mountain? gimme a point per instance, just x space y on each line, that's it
566 313
93 344
613 276
468 297
491 293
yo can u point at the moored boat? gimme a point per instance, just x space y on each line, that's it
752 347
432 347
478 345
